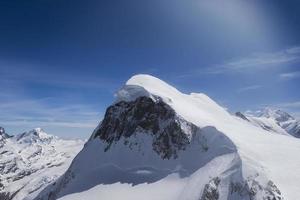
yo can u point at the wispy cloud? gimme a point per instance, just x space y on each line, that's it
15 73
30 113
258 61
25 101
251 87
254 63
295 104
289 75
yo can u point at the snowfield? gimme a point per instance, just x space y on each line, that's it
222 157
171 187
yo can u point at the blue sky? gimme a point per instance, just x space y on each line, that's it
62 61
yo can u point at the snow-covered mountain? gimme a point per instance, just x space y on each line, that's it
3 136
157 143
273 120
32 160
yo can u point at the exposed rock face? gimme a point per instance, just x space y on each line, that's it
249 189
254 190
294 129
124 119
242 116
2 131
6 196
211 191
3 136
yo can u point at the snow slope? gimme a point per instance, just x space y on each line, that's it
253 144
225 157
32 160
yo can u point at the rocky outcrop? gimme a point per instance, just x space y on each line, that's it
3 136
211 191
145 115
241 115
253 190
249 189
2 131
295 130
6 196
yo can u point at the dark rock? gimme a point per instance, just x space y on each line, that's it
2 131
251 188
144 115
3 134
5 196
241 115
8 196
24 173
211 191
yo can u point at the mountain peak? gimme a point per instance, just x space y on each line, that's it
276 114
150 83
189 138
3 134
147 85
275 120
2 131
36 134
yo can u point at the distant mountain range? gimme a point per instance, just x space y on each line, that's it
273 120
32 160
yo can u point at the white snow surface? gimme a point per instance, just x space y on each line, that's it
32 160
237 150
171 187
277 154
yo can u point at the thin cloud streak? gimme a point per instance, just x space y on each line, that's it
295 104
259 61
254 62
34 113
24 123
289 75
251 87
14 73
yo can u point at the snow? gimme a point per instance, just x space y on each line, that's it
237 151
168 188
125 165
171 187
276 121
269 124
255 144
131 92
37 158
275 114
